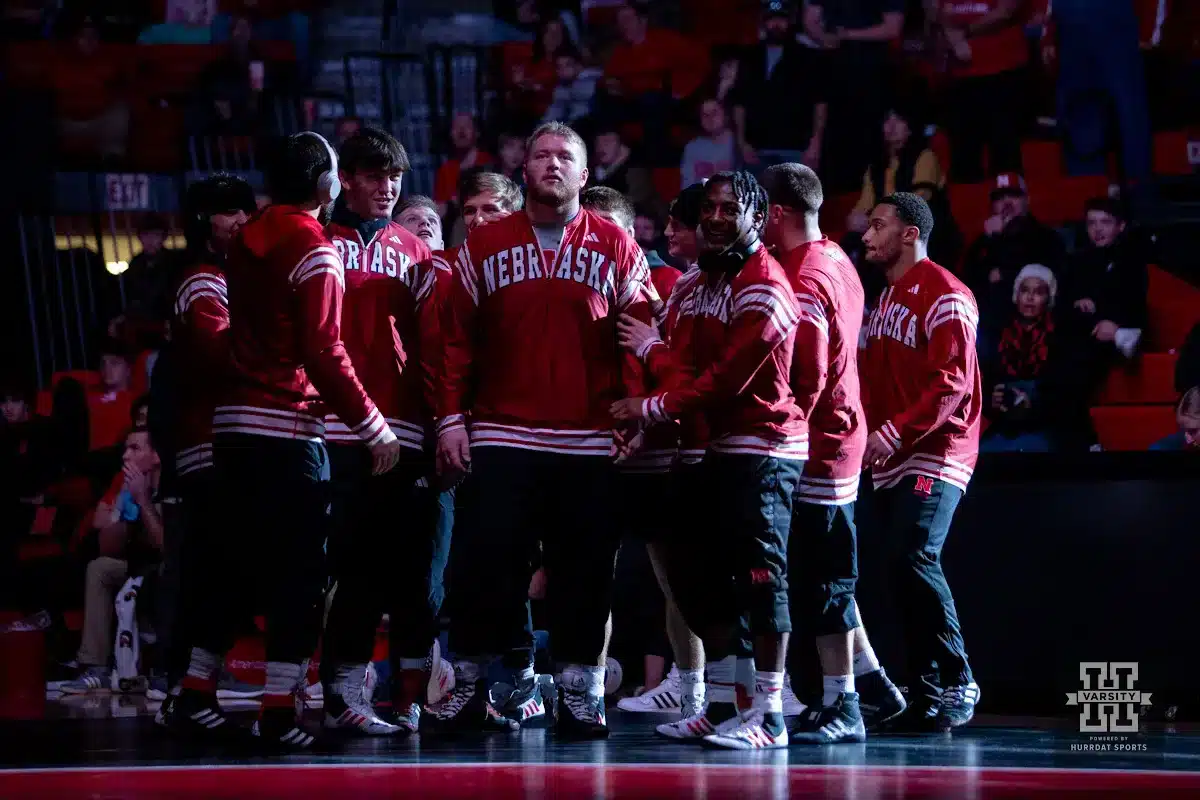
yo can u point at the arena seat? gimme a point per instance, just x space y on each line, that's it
1149 380
666 182
1056 200
1170 153
173 69
971 205
1133 427
1042 157
1174 306
834 211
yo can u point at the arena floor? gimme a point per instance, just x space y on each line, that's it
108 747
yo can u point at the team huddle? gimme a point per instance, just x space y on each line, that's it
545 388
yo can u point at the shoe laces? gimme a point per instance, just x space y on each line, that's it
461 695
579 703
953 696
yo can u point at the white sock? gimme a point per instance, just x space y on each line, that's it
691 682
768 691
343 673
720 680
524 676
833 685
410 663
283 678
203 664
595 680
865 661
467 670
745 675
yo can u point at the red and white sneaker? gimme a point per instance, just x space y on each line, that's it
751 733
350 710
695 727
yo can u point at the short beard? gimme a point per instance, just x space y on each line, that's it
554 198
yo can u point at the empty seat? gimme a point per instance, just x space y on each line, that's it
1149 380
1133 427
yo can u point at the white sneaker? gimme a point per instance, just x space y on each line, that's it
355 712
666 696
749 734
695 727
314 694
792 707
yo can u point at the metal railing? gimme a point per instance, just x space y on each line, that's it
73 284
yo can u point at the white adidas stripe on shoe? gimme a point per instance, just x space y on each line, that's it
667 696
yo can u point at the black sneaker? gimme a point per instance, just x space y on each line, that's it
840 723
523 703
196 714
920 718
958 706
580 715
280 730
879 699
467 709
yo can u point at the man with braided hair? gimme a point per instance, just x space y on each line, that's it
739 319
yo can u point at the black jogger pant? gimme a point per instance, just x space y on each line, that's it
735 572
274 506
382 547
916 515
517 498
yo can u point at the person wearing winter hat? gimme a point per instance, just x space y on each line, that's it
1015 364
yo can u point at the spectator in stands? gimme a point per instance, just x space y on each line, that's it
906 163
1107 281
855 38
769 131
465 154
89 86
232 86
1012 238
648 232
1100 72
23 471
419 216
1187 414
614 165
538 78
148 298
574 89
344 128
510 156
1103 315
715 150
110 400
130 540
986 96
648 71
1015 360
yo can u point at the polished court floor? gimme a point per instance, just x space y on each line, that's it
103 746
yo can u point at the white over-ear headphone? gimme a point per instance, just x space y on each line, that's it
329 185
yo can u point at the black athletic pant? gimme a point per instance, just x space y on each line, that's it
517 498
274 507
193 559
986 112
916 515
735 571
382 555
823 572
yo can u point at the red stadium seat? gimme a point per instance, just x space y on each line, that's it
168 69
1171 153
971 205
1133 427
1174 306
1147 381
1057 200
834 211
1041 157
666 182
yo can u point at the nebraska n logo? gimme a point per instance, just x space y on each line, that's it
924 486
